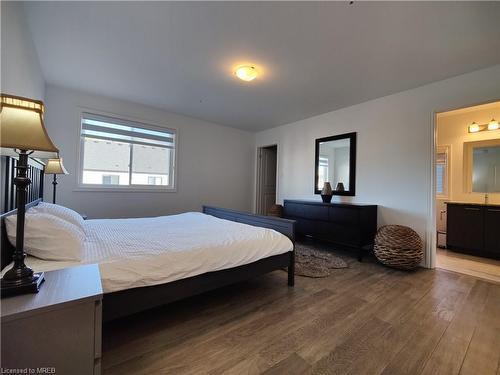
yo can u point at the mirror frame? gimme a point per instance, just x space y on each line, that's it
468 148
352 163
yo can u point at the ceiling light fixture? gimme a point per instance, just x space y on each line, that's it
246 73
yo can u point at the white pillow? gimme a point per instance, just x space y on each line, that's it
48 237
62 212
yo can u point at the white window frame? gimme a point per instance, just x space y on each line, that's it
446 149
146 124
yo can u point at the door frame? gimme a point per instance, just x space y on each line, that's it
258 174
431 249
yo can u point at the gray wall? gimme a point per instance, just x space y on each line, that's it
21 72
394 147
215 163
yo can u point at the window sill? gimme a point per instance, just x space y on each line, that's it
125 189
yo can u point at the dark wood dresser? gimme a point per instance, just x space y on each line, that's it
347 225
473 229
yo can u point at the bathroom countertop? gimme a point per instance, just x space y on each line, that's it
474 204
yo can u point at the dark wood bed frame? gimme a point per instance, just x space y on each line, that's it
130 301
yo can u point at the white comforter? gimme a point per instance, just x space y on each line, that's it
148 251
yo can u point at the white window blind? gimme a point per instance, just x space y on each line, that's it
442 171
135 154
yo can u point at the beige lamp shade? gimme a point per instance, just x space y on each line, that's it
55 166
21 126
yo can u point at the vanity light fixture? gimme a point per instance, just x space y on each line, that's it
493 125
246 73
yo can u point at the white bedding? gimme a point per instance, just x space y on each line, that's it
148 251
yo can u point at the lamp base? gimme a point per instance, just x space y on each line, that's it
21 286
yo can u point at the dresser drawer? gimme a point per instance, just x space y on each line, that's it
306 211
307 227
343 215
342 234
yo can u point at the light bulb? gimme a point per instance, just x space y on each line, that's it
493 125
246 73
473 128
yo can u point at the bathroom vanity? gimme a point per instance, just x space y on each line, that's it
474 229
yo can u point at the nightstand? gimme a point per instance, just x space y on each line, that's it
58 329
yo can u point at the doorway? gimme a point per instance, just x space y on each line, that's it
467 190
267 167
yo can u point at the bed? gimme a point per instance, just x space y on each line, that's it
148 262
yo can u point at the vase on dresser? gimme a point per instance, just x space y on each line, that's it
326 192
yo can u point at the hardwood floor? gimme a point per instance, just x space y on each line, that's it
483 268
366 319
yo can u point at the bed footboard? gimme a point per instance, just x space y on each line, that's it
284 226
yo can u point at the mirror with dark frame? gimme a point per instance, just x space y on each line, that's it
335 162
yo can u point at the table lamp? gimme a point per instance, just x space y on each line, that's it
22 129
55 167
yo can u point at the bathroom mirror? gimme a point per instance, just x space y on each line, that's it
486 169
483 166
335 162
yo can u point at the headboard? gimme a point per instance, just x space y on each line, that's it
8 197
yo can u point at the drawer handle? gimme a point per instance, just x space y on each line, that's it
493 210
472 209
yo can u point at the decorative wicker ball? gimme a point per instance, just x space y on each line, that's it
399 247
276 210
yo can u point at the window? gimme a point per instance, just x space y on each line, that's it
322 171
442 171
125 154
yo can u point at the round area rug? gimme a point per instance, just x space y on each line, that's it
314 260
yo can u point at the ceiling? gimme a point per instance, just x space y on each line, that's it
481 107
313 57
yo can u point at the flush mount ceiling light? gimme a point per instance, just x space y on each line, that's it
246 73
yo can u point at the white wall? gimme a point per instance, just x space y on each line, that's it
215 163
21 73
394 145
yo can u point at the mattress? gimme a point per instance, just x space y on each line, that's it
142 252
